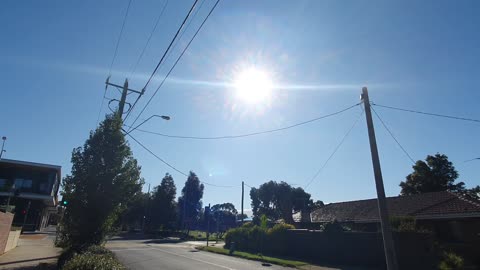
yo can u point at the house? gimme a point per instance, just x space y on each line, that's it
452 216
32 188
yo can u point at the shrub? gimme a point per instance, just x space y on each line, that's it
91 257
403 224
451 261
332 227
88 261
256 239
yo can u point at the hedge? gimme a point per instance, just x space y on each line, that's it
258 240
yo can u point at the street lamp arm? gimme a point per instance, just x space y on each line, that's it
164 117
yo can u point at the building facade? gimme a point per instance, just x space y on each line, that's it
30 190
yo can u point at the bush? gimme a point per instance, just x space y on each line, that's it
92 257
451 261
88 261
332 227
256 239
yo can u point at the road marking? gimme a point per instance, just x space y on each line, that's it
122 249
175 254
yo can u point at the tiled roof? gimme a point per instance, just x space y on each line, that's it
427 205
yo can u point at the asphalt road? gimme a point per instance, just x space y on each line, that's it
181 256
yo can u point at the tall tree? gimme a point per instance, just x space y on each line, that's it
163 206
224 216
436 173
190 202
104 178
278 201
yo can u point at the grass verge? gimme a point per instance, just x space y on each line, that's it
254 257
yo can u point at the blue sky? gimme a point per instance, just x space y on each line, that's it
413 54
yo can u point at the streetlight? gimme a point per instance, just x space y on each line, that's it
164 117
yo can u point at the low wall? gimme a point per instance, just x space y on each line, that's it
5 225
12 241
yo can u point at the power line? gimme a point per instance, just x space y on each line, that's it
427 113
114 57
393 136
334 151
149 38
171 42
247 185
141 55
119 38
168 164
176 62
172 49
249 134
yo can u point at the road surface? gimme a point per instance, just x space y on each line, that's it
138 254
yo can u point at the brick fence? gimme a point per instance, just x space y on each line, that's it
5 225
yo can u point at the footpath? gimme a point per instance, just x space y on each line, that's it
35 250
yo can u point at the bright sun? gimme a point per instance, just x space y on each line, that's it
253 85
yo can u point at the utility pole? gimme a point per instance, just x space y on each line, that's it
125 90
208 222
388 244
243 184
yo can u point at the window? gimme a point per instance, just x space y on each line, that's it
27 183
3 183
18 183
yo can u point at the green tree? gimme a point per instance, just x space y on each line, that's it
133 216
436 173
278 201
163 205
103 180
224 215
190 202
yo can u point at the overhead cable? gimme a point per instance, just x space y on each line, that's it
393 136
334 151
170 165
253 133
176 62
427 113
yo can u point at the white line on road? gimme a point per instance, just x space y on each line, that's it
175 254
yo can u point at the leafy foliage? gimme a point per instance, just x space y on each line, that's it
224 216
190 202
104 178
403 224
95 257
278 200
257 239
436 173
451 261
332 227
163 205
133 216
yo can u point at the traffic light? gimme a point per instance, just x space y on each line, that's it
24 212
63 202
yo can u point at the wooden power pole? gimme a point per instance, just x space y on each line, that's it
243 189
125 90
388 244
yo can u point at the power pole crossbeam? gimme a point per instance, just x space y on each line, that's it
388 244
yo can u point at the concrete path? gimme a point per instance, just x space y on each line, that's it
32 249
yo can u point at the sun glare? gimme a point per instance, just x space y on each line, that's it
253 85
